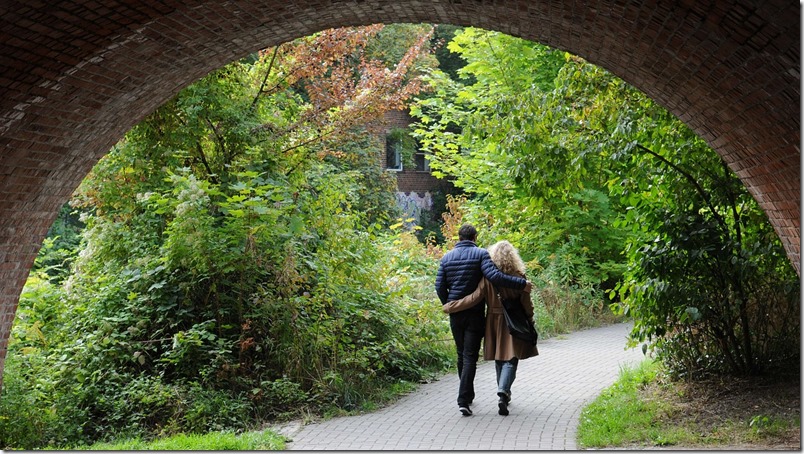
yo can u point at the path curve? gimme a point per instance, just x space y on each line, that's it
549 392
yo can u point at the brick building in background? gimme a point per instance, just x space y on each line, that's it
416 186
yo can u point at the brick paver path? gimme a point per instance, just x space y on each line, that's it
548 395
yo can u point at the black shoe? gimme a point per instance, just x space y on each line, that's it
504 397
465 410
503 405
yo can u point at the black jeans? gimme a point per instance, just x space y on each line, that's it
467 331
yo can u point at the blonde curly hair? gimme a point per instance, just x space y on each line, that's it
507 258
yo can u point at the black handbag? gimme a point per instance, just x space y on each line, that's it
519 324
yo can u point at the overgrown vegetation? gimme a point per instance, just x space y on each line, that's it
614 202
238 257
236 264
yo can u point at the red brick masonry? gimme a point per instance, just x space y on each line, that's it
77 74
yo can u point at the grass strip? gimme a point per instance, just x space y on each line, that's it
620 416
214 441
644 408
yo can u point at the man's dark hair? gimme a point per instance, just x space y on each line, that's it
467 232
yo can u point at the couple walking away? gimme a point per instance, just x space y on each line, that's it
467 276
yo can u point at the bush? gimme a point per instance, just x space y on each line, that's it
24 421
711 301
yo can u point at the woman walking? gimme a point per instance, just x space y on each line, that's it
499 345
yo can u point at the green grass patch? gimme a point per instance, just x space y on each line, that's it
620 416
644 408
215 441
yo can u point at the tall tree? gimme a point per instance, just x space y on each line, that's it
493 132
575 164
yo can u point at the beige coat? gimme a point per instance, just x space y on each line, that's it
498 343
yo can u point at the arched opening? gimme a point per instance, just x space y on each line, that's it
77 77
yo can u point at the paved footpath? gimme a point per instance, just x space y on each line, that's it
548 395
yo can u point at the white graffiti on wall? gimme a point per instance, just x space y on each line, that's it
412 204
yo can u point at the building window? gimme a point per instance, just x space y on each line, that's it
422 162
393 153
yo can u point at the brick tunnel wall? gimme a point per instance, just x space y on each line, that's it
77 74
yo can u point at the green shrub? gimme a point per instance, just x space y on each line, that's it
24 421
715 297
209 410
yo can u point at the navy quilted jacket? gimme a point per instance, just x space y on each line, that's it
462 268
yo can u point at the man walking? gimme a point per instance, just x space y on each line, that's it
459 273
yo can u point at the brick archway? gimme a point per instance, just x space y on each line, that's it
76 75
